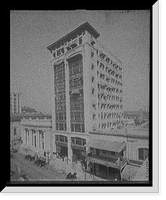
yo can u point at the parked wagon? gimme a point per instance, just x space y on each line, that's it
30 157
40 162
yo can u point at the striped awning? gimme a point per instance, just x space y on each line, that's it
106 145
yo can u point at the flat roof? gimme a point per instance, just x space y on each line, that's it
73 34
19 117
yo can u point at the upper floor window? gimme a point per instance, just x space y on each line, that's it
54 54
93 91
143 153
80 40
92 66
94 115
92 42
92 54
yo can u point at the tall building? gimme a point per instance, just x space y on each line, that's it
87 90
15 103
87 83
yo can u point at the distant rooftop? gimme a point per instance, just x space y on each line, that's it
19 117
141 131
73 34
15 93
26 109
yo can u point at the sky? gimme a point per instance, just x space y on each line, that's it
126 34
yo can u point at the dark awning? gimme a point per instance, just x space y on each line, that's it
106 145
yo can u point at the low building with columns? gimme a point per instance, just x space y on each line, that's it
37 137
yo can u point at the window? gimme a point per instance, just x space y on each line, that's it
93 91
93 78
101 66
92 54
80 40
72 127
84 141
58 52
54 54
143 153
78 141
61 138
77 128
92 66
112 153
92 42
83 128
61 127
42 145
60 116
122 153
15 131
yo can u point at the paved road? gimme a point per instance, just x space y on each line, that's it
33 172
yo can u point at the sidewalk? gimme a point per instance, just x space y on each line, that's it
64 167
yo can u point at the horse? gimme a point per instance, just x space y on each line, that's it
69 175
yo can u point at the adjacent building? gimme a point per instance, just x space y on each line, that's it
28 110
37 136
15 125
137 139
15 103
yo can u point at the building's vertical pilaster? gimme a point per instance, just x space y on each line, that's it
53 96
87 89
67 96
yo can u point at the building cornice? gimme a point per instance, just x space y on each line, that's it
74 33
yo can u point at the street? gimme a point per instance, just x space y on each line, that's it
32 171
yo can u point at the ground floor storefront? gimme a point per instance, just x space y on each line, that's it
69 146
104 172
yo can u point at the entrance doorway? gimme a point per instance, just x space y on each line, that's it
78 155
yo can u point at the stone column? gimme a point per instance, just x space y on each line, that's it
37 138
23 135
27 136
30 137
70 152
